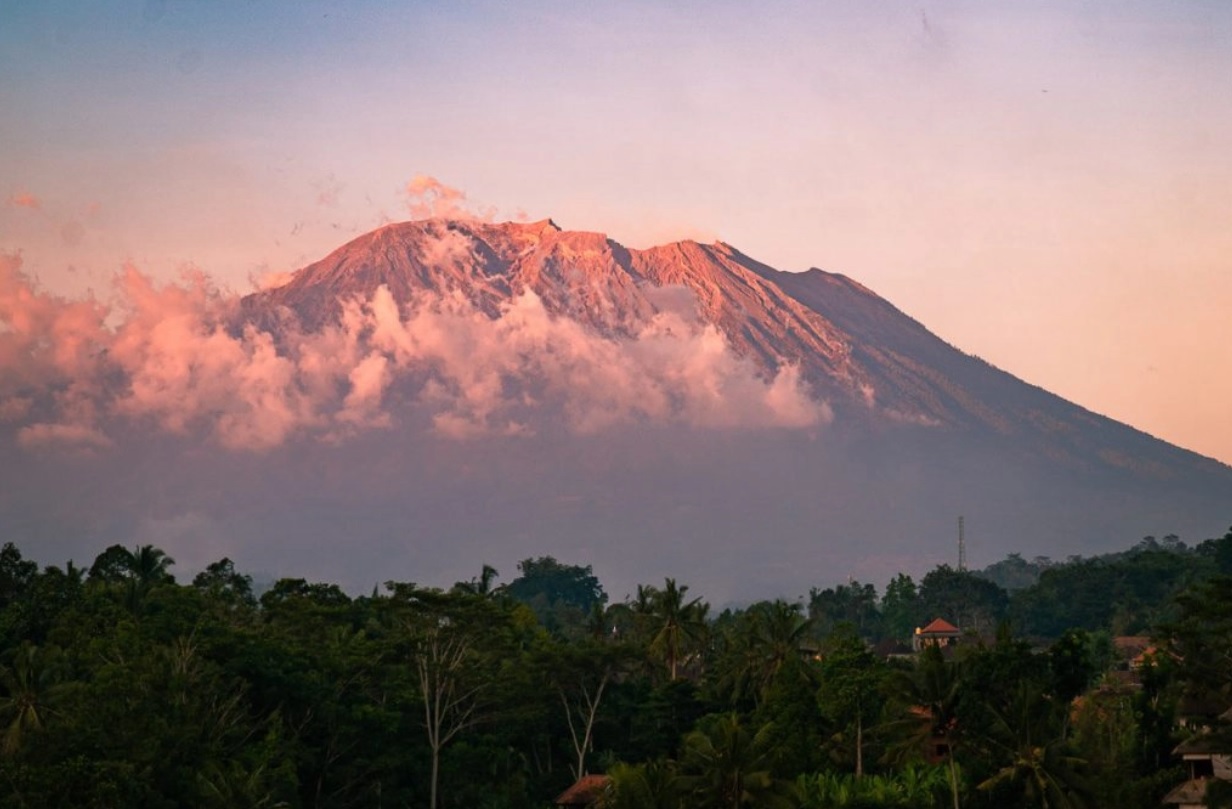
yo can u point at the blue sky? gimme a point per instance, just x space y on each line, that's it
1045 184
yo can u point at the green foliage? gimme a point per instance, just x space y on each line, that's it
124 688
913 787
652 785
562 596
677 626
752 647
854 604
964 599
901 611
727 765
1124 593
852 682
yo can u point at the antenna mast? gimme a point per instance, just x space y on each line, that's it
962 547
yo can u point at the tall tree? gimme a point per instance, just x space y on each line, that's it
678 624
579 673
929 696
850 690
901 609
852 603
756 644
451 641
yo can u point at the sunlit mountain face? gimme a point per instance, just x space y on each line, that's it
440 394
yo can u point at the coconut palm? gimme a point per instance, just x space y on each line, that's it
29 682
653 785
770 636
728 767
929 694
677 623
1037 762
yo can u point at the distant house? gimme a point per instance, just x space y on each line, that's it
585 793
1208 760
939 633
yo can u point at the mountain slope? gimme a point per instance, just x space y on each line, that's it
436 395
870 362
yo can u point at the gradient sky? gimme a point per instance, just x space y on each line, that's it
1047 185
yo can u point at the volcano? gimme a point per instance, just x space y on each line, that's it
439 394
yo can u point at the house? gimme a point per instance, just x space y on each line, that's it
939 633
585 793
1208 757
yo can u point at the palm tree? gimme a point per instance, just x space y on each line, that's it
29 683
930 694
766 638
678 623
481 586
1037 760
150 566
727 767
653 785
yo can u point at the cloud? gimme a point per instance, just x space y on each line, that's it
63 435
178 358
24 199
429 198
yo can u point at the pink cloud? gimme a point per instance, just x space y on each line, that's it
429 198
24 199
71 436
174 356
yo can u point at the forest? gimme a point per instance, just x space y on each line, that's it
120 686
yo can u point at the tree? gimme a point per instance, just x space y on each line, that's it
850 690
929 696
481 586
1036 763
963 598
757 644
221 580
29 682
901 611
16 574
450 644
1200 641
1106 734
851 603
678 624
561 595
652 785
727 767
579 675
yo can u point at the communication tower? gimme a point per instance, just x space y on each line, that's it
962 547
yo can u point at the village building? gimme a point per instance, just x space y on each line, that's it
1209 760
940 633
585 793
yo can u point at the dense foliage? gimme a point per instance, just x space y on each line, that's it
121 687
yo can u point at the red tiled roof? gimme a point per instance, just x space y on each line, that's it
584 793
938 626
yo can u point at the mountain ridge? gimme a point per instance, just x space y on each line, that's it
443 393
863 355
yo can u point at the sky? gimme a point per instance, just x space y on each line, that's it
1047 185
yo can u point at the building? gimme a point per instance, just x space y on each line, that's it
585 793
939 633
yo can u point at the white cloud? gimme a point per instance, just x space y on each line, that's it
173 356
